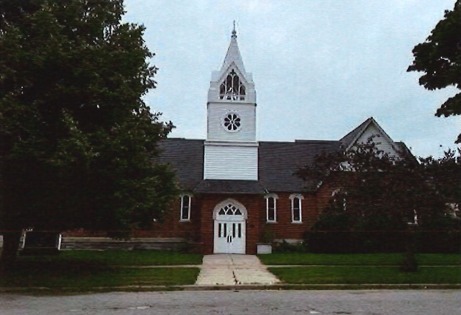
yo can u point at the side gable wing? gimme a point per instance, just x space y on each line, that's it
370 128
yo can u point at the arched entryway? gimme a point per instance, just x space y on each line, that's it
229 227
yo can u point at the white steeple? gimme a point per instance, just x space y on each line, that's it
242 89
231 149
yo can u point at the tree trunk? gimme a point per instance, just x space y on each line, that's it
409 262
10 249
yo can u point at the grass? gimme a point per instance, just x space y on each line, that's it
89 278
367 275
363 268
357 259
90 270
121 257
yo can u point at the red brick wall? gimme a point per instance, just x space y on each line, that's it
199 229
172 226
284 228
256 224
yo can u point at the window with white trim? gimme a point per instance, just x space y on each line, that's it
185 207
271 208
296 208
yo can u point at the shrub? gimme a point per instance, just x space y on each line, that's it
338 233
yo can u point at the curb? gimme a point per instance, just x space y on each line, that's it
307 287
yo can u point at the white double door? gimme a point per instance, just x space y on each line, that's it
229 234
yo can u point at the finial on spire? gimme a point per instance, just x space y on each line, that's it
234 32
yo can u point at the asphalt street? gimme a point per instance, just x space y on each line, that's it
376 302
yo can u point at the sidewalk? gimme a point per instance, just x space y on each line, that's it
228 269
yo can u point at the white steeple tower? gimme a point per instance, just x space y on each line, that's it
231 150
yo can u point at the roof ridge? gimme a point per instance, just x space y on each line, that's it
356 132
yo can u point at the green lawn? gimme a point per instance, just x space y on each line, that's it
91 278
363 268
122 257
356 259
91 270
367 275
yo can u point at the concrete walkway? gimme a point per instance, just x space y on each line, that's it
227 269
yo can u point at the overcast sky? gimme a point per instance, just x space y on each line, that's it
320 67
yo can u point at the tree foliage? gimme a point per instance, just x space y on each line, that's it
76 138
378 195
372 183
440 58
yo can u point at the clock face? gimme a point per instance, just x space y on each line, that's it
232 122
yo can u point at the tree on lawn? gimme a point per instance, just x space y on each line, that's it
440 58
76 139
444 174
381 198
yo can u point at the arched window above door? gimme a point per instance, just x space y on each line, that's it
230 209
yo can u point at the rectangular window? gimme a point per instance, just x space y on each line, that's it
185 208
296 212
271 209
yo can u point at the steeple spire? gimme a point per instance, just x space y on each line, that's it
234 32
233 54
231 82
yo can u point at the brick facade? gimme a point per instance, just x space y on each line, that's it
200 229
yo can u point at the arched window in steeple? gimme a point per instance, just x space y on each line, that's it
232 89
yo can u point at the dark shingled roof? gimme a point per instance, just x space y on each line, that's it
186 158
214 186
278 162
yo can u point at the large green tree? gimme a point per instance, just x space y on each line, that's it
377 184
440 58
378 194
77 141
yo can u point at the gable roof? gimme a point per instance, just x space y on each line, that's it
348 140
216 186
185 157
352 137
277 164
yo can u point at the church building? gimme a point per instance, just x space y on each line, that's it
236 191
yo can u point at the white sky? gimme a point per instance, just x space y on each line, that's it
321 67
